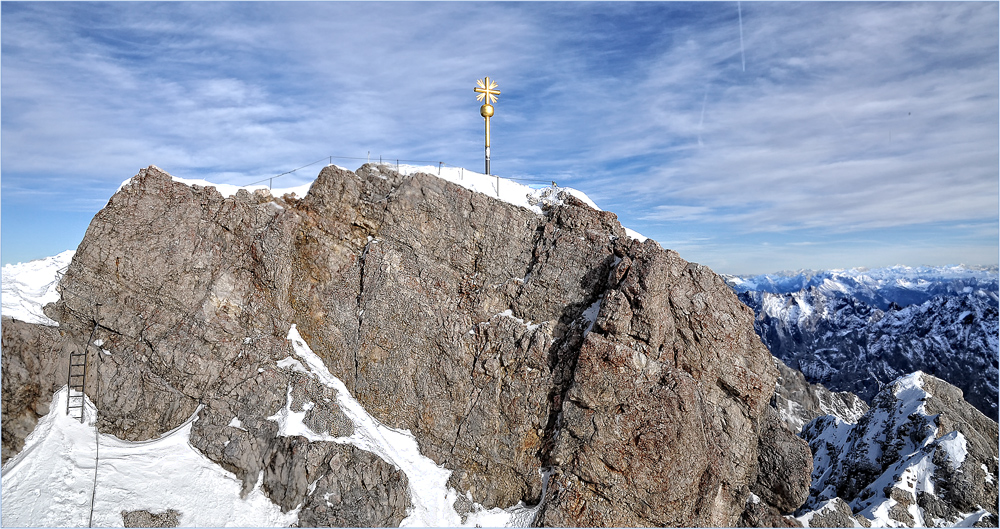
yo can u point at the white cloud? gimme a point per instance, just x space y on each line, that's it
849 116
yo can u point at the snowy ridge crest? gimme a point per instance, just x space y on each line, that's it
27 287
510 191
902 464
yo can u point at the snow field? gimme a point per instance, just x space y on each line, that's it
50 483
27 287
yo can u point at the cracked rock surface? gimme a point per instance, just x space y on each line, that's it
506 341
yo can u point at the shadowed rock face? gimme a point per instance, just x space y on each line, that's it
504 340
34 364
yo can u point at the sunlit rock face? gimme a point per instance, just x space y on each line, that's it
506 341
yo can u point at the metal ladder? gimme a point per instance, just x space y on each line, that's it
77 379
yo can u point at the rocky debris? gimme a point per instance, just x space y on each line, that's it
836 338
760 514
148 519
921 456
356 489
798 402
34 365
504 340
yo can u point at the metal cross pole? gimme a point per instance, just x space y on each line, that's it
487 93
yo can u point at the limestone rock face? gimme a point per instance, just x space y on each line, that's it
784 488
34 364
506 341
664 413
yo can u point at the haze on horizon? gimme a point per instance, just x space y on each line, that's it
750 137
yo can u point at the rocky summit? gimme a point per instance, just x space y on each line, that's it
539 358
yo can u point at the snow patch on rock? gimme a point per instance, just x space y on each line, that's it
433 501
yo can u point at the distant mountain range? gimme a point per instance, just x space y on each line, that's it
878 287
857 330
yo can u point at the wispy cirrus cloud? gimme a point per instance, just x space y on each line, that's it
856 118
848 118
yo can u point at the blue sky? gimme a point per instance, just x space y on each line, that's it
817 135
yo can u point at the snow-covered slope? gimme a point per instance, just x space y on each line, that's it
27 287
852 332
919 457
51 483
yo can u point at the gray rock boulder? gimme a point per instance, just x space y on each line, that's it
144 518
784 488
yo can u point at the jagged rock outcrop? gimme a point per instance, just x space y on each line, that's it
798 402
504 340
921 456
34 364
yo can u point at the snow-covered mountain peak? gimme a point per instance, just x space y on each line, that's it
858 330
902 285
901 463
27 287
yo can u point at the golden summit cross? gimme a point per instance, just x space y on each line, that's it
487 92
486 89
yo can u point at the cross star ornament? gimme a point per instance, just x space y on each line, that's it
487 92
